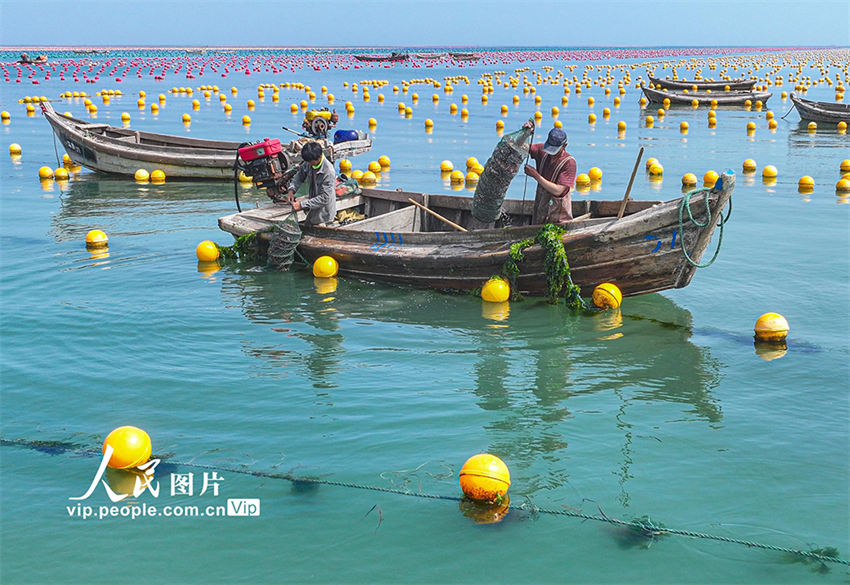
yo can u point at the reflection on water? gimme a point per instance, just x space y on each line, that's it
526 372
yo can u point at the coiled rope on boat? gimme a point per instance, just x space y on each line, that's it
686 205
643 525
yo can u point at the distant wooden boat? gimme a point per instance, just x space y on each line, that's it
27 59
392 57
728 98
122 151
829 112
400 243
463 56
430 56
732 84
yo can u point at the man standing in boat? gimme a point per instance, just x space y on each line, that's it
320 203
555 175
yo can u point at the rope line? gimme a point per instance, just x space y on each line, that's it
643 525
686 204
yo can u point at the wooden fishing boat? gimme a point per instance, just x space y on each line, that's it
399 242
463 56
392 57
732 84
429 56
829 112
122 151
724 98
25 59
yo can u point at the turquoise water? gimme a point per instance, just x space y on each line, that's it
664 410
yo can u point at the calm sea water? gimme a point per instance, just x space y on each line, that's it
664 410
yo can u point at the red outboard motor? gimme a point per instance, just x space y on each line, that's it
266 163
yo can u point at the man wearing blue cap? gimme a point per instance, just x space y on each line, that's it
556 176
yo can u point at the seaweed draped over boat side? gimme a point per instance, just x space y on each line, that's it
555 264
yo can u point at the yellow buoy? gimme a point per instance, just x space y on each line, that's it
45 173
207 251
374 166
157 176
649 121
751 126
582 180
650 162
771 327
656 170
749 166
325 267
806 183
373 123
61 174
471 162
607 296
243 178
683 127
5 116
429 123
356 174
457 176
772 124
769 172
446 166
369 178
842 186
66 160
484 477
591 118
710 178
472 177
131 447
14 149
246 120
842 126
187 118
96 239
812 126
595 174
141 176
500 125
689 179
845 164
496 290
344 165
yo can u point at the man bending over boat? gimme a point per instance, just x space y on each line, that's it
555 175
320 203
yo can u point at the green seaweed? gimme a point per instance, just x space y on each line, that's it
555 265
244 248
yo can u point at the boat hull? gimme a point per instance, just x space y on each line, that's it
122 151
641 252
729 98
736 84
821 111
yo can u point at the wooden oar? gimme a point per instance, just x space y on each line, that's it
629 188
438 216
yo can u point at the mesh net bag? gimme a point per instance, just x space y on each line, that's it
284 239
501 168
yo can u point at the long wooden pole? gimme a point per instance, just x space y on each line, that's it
629 188
437 215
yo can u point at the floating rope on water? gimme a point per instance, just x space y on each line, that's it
642 526
555 265
686 204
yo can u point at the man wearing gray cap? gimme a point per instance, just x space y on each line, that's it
556 176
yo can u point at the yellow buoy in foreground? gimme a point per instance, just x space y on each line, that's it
484 477
131 447
496 290
689 179
344 165
769 172
806 183
45 173
207 251
710 178
157 176
61 174
141 176
325 267
771 327
595 174
446 166
14 149
845 164
96 239
607 296
749 166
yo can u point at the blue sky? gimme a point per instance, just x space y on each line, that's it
378 23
